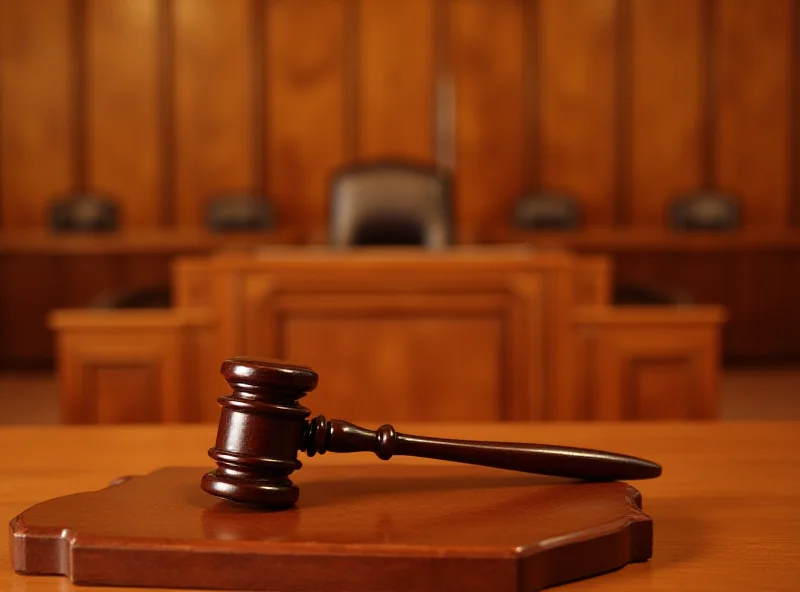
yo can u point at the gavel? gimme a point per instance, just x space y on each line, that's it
263 427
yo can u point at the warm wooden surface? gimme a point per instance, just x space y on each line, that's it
419 317
648 362
622 104
725 509
754 274
516 319
189 240
432 528
760 394
622 240
136 366
40 271
139 242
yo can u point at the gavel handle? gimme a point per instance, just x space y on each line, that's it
557 461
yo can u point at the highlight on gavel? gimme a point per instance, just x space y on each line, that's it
262 427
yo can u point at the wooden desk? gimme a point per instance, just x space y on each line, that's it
41 271
726 509
145 241
754 274
652 240
527 326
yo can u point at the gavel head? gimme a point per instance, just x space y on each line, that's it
261 429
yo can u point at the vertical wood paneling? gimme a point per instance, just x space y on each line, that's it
35 125
794 80
29 286
577 145
166 108
122 75
666 106
213 102
487 49
304 105
396 79
176 89
445 100
753 50
531 56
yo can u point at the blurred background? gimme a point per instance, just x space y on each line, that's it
664 135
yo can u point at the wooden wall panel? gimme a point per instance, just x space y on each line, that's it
752 52
35 109
666 106
401 347
605 100
305 133
577 94
26 296
213 102
487 43
396 79
621 103
122 87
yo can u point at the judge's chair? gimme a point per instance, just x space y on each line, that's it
390 203
704 211
84 212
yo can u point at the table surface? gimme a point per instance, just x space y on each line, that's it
189 240
726 510
620 240
139 241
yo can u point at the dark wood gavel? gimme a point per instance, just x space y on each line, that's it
262 427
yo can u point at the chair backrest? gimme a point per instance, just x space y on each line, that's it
648 295
390 203
238 213
149 297
84 212
704 211
546 211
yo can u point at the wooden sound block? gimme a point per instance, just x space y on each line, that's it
360 528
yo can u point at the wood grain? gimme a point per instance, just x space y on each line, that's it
538 99
29 285
755 289
140 242
36 134
740 469
646 364
396 79
403 348
122 77
213 103
384 307
577 94
536 87
129 367
666 107
753 49
511 319
592 279
430 527
487 54
305 131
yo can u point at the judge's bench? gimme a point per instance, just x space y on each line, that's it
465 333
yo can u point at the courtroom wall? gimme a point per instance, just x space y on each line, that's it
623 103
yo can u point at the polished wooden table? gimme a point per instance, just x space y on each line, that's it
726 510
